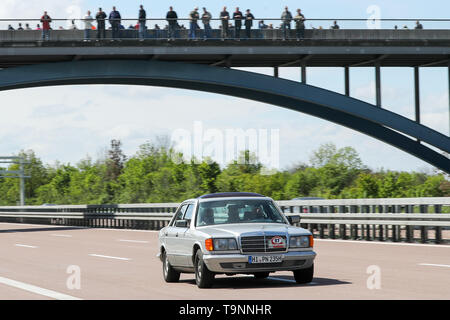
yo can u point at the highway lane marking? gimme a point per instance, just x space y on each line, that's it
434 265
385 243
25 246
108 257
62 235
134 241
36 290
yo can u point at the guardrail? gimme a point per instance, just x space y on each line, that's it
256 34
379 219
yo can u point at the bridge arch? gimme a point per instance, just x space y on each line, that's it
381 124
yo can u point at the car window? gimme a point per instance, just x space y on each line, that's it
238 211
189 211
179 214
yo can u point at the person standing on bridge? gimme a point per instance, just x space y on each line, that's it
87 25
224 17
101 29
286 18
193 26
418 26
206 19
171 18
249 17
142 22
46 20
335 26
237 17
115 20
300 24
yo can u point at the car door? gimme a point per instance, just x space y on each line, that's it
171 236
185 237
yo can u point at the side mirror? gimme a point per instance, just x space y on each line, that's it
293 219
182 223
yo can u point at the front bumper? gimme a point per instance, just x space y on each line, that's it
238 263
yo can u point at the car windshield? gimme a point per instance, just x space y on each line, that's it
237 211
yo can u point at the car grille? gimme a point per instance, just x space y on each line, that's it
259 244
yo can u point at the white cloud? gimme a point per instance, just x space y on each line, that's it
57 9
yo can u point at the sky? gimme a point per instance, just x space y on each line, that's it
69 123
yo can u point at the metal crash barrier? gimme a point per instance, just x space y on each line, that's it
423 220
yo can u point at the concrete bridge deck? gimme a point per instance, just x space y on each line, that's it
320 48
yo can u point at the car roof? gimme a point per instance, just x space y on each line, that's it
231 195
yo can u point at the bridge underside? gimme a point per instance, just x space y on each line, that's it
363 117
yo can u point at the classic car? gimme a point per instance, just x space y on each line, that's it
234 233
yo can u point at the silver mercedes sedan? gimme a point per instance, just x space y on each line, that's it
234 233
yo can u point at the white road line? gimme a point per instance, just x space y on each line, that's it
385 243
134 241
434 265
62 235
108 257
25 246
36 290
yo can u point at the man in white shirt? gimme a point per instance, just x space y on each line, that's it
87 25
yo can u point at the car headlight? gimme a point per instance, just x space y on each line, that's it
300 242
225 244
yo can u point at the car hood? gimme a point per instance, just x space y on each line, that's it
251 229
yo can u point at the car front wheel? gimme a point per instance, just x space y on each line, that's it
304 275
170 274
203 277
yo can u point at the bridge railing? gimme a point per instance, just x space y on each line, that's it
129 35
424 220
270 29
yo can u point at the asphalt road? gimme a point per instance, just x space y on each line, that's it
122 264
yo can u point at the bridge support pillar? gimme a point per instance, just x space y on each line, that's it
347 81
275 72
303 70
378 84
417 94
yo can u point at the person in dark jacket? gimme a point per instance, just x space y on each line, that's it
237 17
115 21
418 26
206 19
335 26
224 17
300 24
249 23
171 18
101 29
142 22
46 20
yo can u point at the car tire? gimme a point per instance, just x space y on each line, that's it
304 275
169 273
261 275
203 277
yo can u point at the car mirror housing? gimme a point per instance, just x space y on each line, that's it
182 223
293 219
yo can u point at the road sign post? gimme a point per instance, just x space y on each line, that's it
18 174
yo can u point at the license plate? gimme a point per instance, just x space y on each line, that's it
264 259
